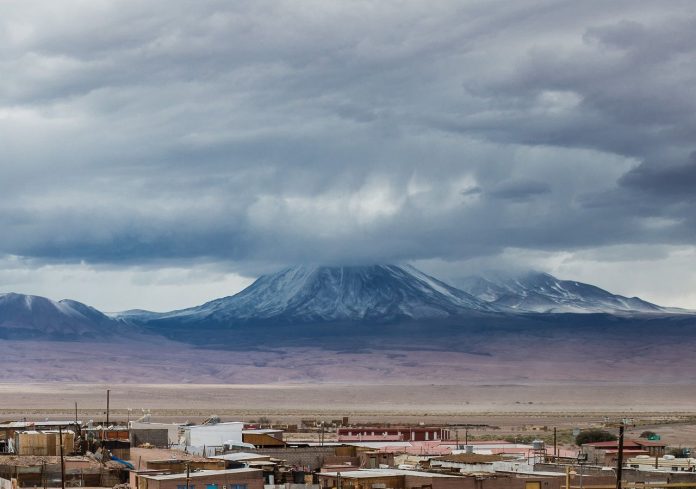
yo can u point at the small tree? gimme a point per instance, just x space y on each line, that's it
592 436
679 452
647 434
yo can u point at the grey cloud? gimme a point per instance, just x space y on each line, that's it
519 189
472 191
671 181
262 132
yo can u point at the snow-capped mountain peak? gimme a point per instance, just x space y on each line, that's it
542 292
30 315
339 293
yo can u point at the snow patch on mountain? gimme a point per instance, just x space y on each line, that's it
544 293
338 293
30 315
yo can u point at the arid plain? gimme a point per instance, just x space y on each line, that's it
507 409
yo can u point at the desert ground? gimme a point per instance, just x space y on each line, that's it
503 386
505 409
507 359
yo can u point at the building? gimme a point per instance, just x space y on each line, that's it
9 429
606 452
387 479
45 471
214 435
179 465
243 459
204 479
263 438
471 463
44 443
393 433
665 463
161 435
411 479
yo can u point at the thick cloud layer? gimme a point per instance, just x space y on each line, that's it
253 134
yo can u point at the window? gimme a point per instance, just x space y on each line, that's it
238 486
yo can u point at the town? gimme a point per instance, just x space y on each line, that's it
147 453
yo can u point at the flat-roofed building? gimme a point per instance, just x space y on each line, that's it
204 479
387 479
393 433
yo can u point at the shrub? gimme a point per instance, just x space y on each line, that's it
592 436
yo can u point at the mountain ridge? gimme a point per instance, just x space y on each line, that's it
374 294
540 292
346 293
32 316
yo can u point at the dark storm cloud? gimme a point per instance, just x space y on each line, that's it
519 189
672 181
260 132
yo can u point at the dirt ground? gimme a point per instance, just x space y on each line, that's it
506 410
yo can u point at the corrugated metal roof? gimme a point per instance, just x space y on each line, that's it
372 473
241 456
202 473
31 424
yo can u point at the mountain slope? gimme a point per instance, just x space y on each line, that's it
307 294
29 316
544 293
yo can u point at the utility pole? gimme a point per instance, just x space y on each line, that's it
108 392
188 475
555 446
619 460
77 427
62 461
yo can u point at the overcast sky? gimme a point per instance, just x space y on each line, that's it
159 154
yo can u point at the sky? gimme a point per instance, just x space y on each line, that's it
160 154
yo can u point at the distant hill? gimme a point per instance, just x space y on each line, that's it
544 293
29 316
380 322
316 302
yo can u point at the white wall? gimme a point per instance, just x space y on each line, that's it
172 429
214 435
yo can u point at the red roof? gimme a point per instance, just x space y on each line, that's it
610 444
630 451
627 443
648 443
379 437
